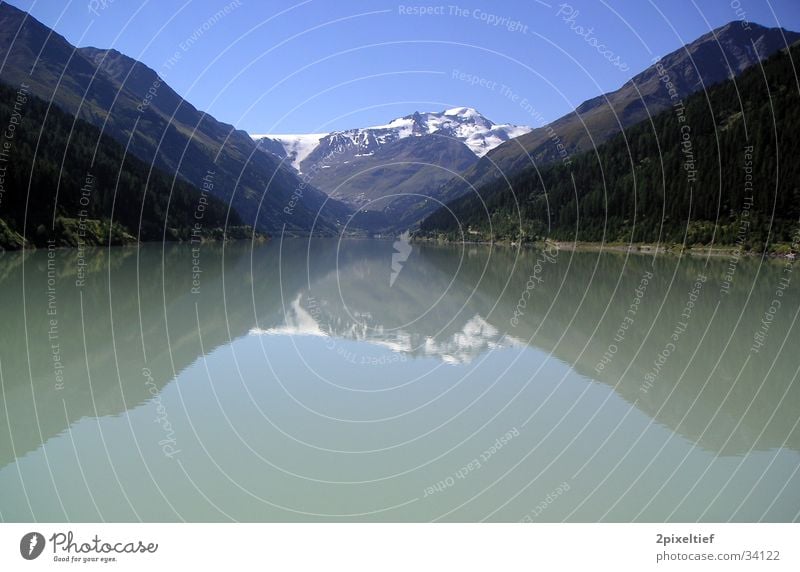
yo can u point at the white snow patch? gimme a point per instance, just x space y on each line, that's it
297 147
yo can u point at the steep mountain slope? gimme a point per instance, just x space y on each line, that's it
130 102
721 171
62 181
710 59
414 165
386 169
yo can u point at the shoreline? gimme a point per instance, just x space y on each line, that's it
134 244
718 251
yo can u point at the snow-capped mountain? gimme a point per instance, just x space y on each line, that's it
463 124
380 170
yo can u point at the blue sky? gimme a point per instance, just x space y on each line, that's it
300 66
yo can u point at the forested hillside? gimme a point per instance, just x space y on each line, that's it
720 166
63 180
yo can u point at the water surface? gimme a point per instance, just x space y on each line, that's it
298 380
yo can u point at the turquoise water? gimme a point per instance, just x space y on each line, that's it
298 380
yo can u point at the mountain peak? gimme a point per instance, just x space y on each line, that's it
736 27
464 124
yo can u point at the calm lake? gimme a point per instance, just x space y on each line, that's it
324 380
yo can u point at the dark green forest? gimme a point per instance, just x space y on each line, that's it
71 180
685 178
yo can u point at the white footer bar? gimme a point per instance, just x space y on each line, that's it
406 547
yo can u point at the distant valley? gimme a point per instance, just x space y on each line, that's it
381 170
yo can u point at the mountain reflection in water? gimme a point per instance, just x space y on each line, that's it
296 381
